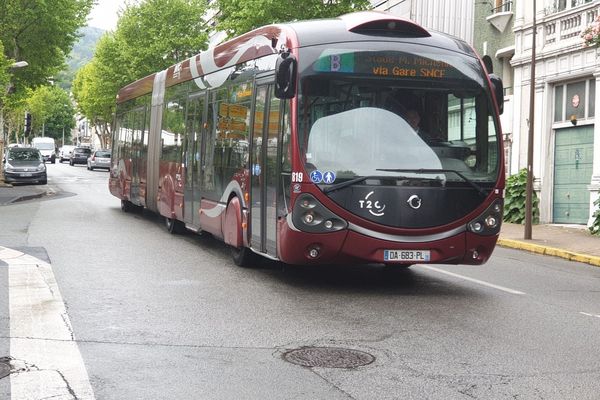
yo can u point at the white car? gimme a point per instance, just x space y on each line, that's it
65 152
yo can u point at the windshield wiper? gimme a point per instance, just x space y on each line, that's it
358 179
475 186
344 184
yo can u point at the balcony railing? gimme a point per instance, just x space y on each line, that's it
504 7
566 27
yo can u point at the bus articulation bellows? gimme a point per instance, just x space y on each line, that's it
298 142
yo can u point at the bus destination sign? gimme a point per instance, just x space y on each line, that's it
386 64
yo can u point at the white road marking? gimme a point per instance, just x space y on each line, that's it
589 315
466 278
46 362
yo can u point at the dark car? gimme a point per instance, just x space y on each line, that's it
99 159
80 155
24 165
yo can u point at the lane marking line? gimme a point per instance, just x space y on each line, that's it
589 315
46 362
466 278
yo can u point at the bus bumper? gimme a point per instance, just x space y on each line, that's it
352 247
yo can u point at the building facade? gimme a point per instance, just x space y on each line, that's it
566 162
454 17
493 22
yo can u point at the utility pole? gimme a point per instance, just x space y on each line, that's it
529 187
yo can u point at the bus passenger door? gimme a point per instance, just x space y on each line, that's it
263 170
193 171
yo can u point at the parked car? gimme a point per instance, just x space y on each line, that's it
80 155
99 159
65 152
24 165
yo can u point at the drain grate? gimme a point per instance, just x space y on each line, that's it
4 369
328 357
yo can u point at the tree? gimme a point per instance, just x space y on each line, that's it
52 111
150 36
41 33
4 73
239 16
156 34
94 89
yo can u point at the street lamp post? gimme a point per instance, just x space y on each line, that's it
18 64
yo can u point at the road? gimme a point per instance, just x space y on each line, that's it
133 312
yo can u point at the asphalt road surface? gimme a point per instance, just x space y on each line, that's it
100 304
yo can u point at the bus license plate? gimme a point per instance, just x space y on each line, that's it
406 255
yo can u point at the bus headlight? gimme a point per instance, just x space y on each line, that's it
309 215
489 222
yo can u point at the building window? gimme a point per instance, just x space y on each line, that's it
502 6
560 5
574 100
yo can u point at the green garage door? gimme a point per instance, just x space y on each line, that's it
573 156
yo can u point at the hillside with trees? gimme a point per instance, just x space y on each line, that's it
82 53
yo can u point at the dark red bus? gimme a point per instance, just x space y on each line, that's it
360 139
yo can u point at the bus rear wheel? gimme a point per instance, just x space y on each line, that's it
174 226
126 206
243 256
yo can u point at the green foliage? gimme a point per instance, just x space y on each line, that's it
82 53
595 227
515 197
41 33
150 37
240 16
4 75
156 34
51 112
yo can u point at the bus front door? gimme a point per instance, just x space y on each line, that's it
263 169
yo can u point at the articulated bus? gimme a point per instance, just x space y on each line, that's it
297 142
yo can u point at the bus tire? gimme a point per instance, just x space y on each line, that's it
243 256
174 226
126 206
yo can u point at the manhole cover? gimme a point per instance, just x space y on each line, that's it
4 369
328 357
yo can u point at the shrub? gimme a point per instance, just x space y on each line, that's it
591 33
595 227
515 197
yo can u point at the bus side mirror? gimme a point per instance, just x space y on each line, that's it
498 88
285 76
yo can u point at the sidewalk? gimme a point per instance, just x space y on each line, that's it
11 194
572 242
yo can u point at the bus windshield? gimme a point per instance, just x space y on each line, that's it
378 112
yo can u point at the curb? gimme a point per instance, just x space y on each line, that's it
550 251
25 197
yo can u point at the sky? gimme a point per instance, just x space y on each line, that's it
104 14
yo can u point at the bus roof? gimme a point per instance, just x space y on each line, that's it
355 27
